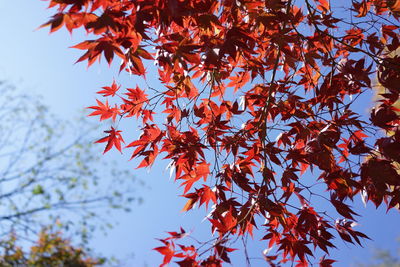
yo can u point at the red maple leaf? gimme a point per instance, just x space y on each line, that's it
104 111
113 138
110 90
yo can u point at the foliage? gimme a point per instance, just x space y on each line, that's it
49 174
263 102
50 250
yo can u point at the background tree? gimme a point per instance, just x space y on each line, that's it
51 176
383 258
51 249
262 116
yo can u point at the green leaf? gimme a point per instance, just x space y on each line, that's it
38 190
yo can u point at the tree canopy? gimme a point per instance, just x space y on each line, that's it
264 108
51 249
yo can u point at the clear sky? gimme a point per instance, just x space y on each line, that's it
43 64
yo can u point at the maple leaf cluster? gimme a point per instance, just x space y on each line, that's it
262 106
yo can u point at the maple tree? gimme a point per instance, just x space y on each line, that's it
262 108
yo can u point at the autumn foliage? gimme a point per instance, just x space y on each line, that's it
264 107
51 249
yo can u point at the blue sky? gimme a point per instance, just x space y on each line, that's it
43 64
